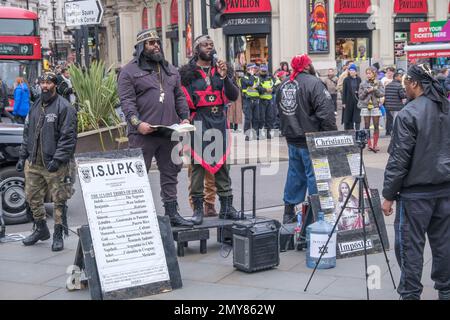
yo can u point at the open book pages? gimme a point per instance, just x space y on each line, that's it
180 128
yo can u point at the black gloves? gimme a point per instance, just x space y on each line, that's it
20 165
53 166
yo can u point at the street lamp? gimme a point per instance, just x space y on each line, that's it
53 2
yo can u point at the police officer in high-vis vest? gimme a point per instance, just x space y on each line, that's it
266 106
250 98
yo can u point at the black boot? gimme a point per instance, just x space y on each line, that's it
175 219
40 233
289 214
58 243
269 135
227 211
199 212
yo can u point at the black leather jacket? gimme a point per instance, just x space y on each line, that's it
419 151
57 131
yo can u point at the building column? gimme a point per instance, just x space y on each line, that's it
129 27
276 43
440 8
385 32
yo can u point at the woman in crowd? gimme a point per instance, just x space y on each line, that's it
352 115
370 93
21 100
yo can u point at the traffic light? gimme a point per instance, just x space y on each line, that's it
217 8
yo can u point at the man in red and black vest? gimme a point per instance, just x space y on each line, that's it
208 85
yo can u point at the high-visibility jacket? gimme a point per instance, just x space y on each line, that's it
265 84
249 85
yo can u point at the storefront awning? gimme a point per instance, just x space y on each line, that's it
174 12
410 6
158 16
351 6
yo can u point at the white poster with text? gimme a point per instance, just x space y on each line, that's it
124 226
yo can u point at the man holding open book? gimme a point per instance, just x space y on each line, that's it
151 97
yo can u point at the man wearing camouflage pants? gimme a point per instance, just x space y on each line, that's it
49 140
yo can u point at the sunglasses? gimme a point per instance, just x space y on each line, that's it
154 42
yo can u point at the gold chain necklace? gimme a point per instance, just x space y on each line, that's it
161 89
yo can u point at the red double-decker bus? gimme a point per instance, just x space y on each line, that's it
20 46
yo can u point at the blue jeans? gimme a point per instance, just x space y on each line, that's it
300 176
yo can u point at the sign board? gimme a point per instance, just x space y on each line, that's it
126 237
336 161
351 7
437 31
247 6
16 49
83 12
411 6
428 54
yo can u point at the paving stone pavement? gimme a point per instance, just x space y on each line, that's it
36 273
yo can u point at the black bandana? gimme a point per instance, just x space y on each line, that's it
432 89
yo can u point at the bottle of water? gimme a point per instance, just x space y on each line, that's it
316 237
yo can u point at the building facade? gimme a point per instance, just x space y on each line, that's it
271 31
50 31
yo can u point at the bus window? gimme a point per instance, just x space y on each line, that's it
17 27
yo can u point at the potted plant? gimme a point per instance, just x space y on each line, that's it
99 125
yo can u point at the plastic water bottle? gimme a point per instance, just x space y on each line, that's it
316 237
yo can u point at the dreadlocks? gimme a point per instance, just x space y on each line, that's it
432 89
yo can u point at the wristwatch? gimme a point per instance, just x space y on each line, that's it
135 122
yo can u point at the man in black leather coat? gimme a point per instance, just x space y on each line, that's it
418 177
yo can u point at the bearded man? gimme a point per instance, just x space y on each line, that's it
151 95
208 85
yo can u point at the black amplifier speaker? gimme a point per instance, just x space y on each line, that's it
256 245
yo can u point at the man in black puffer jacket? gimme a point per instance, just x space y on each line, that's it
393 100
418 177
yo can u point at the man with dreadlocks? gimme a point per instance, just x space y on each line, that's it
208 85
418 177
150 94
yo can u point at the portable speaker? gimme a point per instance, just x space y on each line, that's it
256 245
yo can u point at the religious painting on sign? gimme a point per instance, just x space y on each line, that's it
351 218
318 26
336 160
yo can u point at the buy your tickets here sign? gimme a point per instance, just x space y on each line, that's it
437 31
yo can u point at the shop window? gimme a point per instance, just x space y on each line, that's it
248 49
352 49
